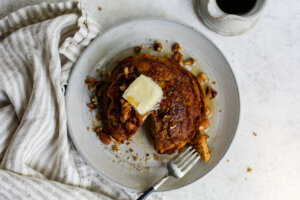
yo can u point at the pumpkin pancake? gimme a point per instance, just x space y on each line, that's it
176 118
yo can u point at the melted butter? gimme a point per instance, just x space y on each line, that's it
132 101
143 94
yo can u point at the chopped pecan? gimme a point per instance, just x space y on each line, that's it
202 78
92 88
91 106
126 72
126 108
204 125
213 93
207 112
137 49
104 138
190 61
94 100
135 158
123 87
102 135
157 46
177 57
115 148
91 81
176 48
172 127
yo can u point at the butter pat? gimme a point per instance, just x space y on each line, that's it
143 94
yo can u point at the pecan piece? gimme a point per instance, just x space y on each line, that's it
177 57
137 49
103 136
126 108
213 93
207 112
115 148
91 106
123 87
176 48
190 61
92 88
204 125
94 100
126 72
91 81
202 78
157 46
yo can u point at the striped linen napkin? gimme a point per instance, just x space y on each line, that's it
38 47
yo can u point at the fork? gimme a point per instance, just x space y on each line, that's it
179 166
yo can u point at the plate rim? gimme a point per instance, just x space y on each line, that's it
148 19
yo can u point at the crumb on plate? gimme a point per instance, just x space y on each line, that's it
137 49
189 61
176 48
157 46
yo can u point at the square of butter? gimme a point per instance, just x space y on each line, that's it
143 94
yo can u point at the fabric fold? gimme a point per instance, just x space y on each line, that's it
38 47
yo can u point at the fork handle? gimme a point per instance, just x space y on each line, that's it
146 194
153 188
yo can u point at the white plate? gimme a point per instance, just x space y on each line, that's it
103 52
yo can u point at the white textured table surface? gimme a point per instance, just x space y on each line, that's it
266 62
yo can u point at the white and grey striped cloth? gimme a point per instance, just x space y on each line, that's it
38 47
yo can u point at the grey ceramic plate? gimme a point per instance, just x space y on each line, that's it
117 42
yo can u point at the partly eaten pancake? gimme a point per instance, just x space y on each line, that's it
178 115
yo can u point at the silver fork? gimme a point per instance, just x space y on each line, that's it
177 167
